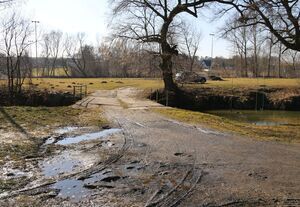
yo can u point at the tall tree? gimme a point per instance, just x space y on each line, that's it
280 17
151 21
191 42
52 45
15 33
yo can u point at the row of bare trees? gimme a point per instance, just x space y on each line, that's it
155 22
155 37
257 52
15 42
111 58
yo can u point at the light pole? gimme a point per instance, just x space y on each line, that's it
212 49
36 47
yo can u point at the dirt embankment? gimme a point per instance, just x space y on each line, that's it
202 99
37 98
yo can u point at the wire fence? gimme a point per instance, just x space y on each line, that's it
80 91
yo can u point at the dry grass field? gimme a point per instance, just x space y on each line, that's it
66 84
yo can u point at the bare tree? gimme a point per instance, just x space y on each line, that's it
75 48
280 17
279 58
256 42
240 39
271 43
291 59
52 46
191 42
16 33
151 21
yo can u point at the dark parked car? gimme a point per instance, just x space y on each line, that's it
189 77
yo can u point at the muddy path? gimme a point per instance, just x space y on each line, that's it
149 160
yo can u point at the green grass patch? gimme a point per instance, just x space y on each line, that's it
31 118
278 133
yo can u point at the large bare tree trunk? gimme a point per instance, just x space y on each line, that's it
166 67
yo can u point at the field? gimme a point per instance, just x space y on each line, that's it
113 83
66 84
210 121
93 84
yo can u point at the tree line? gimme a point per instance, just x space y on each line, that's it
152 38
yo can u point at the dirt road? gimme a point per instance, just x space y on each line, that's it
150 160
230 170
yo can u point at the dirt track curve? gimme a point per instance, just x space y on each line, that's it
208 168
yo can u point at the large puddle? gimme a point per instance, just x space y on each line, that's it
77 190
261 118
65 162
88 137
72 160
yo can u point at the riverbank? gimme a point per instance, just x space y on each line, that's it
194 104
216 98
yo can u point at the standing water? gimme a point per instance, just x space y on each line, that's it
88 137
261 118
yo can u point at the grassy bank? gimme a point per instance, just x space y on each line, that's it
32 118
284 133
23 128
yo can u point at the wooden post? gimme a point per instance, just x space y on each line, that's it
256 101
156 95
263 101
167 98
81 91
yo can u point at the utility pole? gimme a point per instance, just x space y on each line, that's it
36 47
212 49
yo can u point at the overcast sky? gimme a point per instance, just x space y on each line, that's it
92 18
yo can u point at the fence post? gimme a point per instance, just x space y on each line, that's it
231 103
263 101
167 98
74 92
156 95
85 93
256 101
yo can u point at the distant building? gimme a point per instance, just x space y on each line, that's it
205 63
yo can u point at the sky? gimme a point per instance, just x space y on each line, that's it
92 17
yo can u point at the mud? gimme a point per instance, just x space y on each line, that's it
154 161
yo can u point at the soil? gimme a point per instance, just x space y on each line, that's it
155 161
